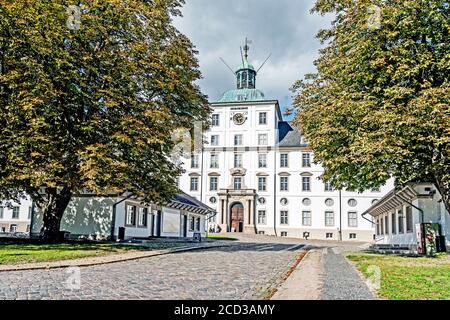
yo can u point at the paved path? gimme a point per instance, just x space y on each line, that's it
340 279
242 271
325 274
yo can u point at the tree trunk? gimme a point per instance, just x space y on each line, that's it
53 210
444 190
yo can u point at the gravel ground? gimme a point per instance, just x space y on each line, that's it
245 271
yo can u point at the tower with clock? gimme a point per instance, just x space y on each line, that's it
257 171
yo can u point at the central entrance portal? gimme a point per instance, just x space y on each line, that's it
237 217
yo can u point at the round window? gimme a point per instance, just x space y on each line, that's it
329 202
374 201
213 200
306 202
284 201
352 203
262 200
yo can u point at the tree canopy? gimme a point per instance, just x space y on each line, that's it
89 98
378 105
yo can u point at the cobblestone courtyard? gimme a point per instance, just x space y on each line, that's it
243 271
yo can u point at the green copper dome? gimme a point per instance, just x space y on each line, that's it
246 65
239 95
245 82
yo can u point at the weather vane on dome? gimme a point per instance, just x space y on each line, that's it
247 47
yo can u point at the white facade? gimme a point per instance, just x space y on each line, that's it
285 183
15 217
397 215
93 217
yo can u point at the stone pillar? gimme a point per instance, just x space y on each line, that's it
226 213
221 218
249 212
252 212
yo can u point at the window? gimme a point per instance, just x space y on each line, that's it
284 201
194 161
262 232
262 139
284 158
130 219
213 183
374 201
329 218
262 184
352 219
329 235
194 184
284 234
238 140
262 201
262 217
328 187
352 203
13 228
378 227
409 219
401 228
15 213
262 160
214 161
237 183
238 160
214 140
306 202
382 226
306 160
306 218
352 235
142 217
394 223
1 212
284 219
386 226
329 202
284 183
263 118
197 224
306 183
215 122
30 210
213 200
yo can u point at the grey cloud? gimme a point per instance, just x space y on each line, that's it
284 28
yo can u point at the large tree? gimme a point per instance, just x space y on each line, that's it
378 106
90 94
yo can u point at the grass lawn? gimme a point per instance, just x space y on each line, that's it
14 253
408 278
222 238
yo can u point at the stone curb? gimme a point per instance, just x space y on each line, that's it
88 262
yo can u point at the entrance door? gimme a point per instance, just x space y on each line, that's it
237 217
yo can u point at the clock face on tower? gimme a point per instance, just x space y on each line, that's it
239 119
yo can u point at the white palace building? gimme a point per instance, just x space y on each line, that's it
257 171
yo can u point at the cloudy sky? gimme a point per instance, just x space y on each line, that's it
284 28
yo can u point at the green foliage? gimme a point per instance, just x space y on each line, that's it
93 106
378 105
